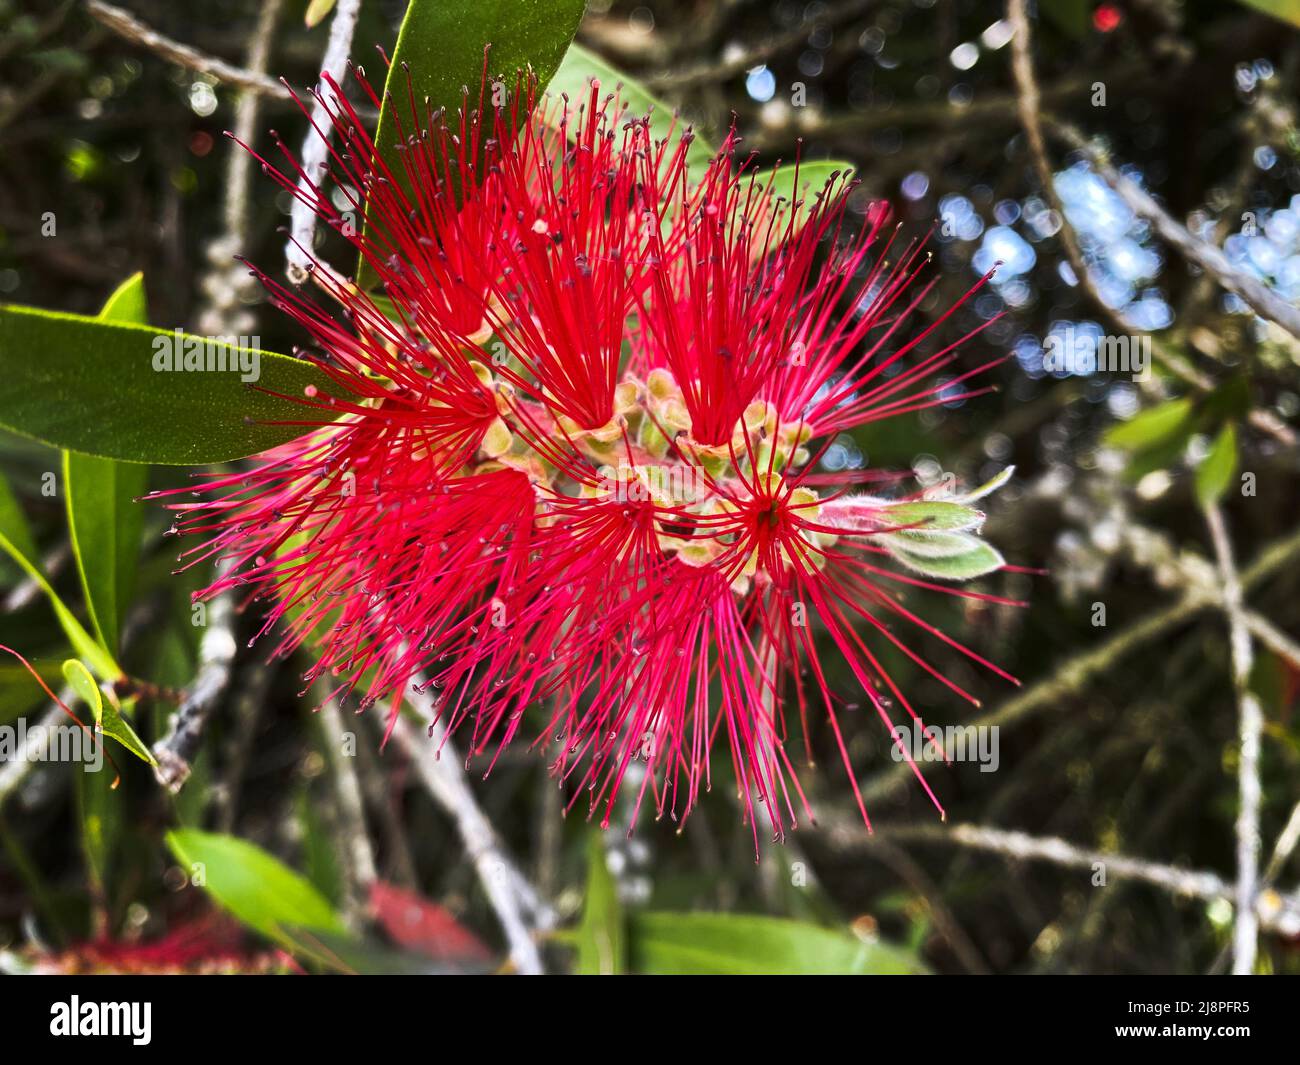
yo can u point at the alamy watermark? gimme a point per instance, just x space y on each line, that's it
954 743
1081 351
21 742
180 352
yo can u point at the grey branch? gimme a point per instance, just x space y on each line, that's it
1262 299
176 751
354 838
518 907
1075 672
1251 726
1275 912
126 25
315 149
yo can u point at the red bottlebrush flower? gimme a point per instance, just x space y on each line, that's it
577 461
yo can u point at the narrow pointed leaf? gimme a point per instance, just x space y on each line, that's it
256 887
90 386
741 944
1150 427
103 518
1214 474
976 562
16 541
107 716
602 938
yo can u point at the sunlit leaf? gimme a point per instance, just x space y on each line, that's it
1150 427
739 944
573 79
254 886
1215 471
979 559
602 937
104 521
91 386
107 716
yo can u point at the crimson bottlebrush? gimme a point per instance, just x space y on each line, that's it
571 456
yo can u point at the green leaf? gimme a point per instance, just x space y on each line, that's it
100 815
16 540
800 190
933 515
441 45
257 888
581 64
128 303
103 518
91 386
1150 427
317 10
932 544
1214 474
980 559
13 523
739 944
107 717
602 936
1286 10
986 489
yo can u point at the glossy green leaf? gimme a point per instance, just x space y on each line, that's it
91 386
739 944
104 520
16 541
441 46
1150 427
1215 471
107 716
257 888
966 565
128 303
602 935
573 79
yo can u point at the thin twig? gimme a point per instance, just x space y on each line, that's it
302 218
1272 637
177 750
1277 913
127 25
519 908
1028 107
358 858
1262 299
1075 672
240 167
1251 724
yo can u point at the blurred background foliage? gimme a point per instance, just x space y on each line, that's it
1122 738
